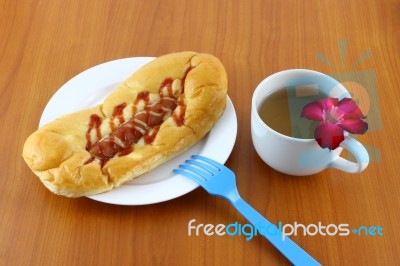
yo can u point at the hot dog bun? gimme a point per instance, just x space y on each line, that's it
158 112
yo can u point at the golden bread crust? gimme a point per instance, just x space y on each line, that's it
58 152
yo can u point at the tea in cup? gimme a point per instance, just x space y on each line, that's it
284 139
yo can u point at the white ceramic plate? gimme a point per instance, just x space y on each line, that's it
91 87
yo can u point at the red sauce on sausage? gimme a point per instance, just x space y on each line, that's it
120 140
125 152
144 124
149 137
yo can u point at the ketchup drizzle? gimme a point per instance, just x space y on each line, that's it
142 96
167 83
184 78
91 159
117 113
149 137
144 124
125 152
180 118
94 123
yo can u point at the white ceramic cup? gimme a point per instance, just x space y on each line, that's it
299 156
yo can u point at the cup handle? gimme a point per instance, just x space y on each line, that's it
358 151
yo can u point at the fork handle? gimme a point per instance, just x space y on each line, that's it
287 247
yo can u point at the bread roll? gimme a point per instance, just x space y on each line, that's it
158 112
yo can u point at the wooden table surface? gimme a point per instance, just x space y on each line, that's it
43 44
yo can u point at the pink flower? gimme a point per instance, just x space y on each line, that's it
335 116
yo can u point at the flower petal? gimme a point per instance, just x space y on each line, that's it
328 135
328 103
354 126
350 108
317 110
313 111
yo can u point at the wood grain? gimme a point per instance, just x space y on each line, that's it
45 43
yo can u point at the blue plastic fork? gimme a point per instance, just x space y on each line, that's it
219 180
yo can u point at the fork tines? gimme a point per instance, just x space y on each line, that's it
198 168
